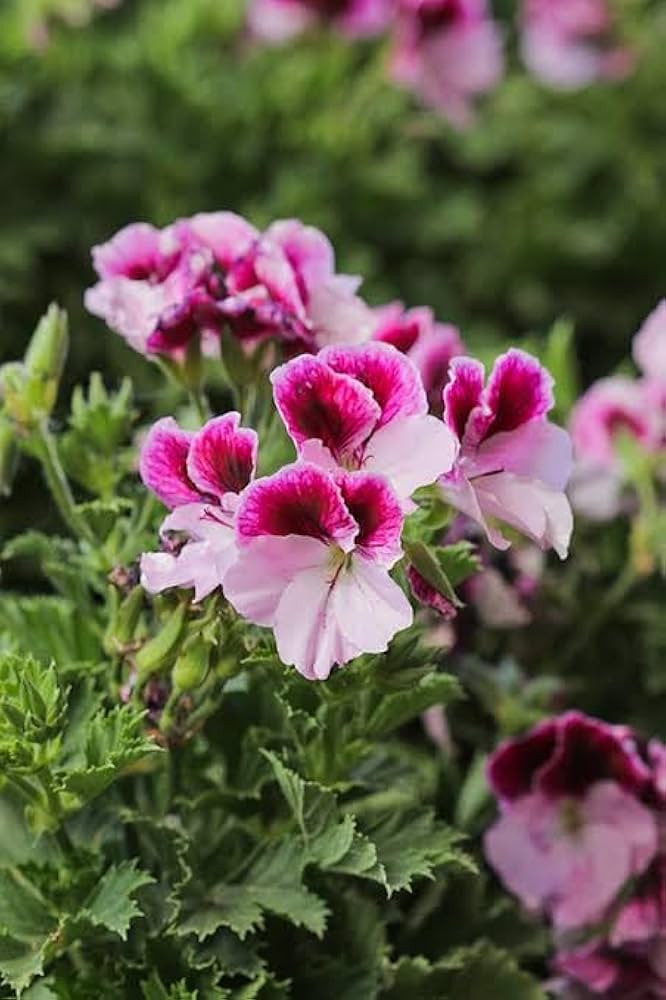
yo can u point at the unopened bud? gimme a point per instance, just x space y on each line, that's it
14 385
191 666
47 350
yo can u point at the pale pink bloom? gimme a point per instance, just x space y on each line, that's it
276 21
649 345
610 407
199 475
429 344
568 43
363 408
449 51
314 557
571 856
513 464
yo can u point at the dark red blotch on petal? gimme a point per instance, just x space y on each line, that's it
514 765
589 751
222 456
377 511
519 389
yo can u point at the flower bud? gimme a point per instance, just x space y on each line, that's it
47 350
14 390
8 457
191 666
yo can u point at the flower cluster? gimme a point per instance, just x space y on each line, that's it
580 838
452 51
308 550
161 289
616 406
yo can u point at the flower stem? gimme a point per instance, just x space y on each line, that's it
58 484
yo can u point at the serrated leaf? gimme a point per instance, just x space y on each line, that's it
274 883
458 561
411 845
396 709
111 904
20 962
24 913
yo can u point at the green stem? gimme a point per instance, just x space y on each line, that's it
58 484
200 404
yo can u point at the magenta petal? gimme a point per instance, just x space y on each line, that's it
139 252
588 751
463 393
378 512
316 403
391 377
222 456
512 768
307 249
163 464
300 499
519 389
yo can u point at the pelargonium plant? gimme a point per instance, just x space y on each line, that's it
229 767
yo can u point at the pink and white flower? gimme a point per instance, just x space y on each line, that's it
315 550
363 408
449 51
513 464
161 288
573 829
199 476
429 344
568 43
276 21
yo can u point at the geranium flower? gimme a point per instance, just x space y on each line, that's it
314 557
363 408
199 475
429 344
572 830
568 43
161 288
276 21
449 51
610 407
513 464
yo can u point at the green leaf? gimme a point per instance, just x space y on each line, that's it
24 913
111 904
396 709
114 740
458 561
20 962
424 559
274 883
412 845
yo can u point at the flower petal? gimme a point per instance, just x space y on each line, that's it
649 344
463 393
308 629
307 249
254 585
163 464
222 456
301 499
537 450
316 403
541 513
390 376
378 512
226 234
193 567
370 606
519 389
412 452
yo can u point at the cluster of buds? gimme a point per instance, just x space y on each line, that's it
581 838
